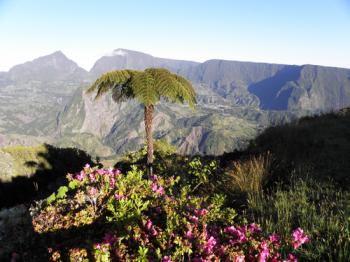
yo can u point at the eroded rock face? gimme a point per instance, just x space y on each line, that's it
192 141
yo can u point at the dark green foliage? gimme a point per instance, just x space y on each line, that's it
322 143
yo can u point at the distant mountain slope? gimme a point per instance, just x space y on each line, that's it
236 100
304 87
53 67
230 79
32 94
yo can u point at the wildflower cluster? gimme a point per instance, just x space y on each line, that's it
152 220
77 204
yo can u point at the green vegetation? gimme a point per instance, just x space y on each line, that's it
321 209
290 177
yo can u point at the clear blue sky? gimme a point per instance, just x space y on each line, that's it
280 31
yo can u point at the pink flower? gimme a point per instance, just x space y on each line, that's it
117 172
194 219
238 232
98 246
210 245
291 258
189 234
149 224
81 176
118 196
111 182
200 212
166 259
92 177
87 165
254 228
154 187
230 229
92 191
100 171
154 232
274 238
299 238
276 257
160 191
240 258
265 252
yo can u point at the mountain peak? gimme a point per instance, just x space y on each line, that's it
52 66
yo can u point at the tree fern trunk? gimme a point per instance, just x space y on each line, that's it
149 138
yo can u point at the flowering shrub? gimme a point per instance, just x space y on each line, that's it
152 220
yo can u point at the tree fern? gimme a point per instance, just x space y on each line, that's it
147 87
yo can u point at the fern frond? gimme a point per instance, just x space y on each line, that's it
110 81
147 86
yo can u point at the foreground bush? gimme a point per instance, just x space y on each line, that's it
151 220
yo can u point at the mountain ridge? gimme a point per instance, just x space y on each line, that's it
236 100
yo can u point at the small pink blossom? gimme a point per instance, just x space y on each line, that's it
200 212
291 258
160 191
149 224
239 258
189 234
81 176
92 191
276 257
254 228
100 171
265 252
154 232
230 229
92 177
166 259
194 219
118 196
299 238
154 187
111 182
210 245
274 238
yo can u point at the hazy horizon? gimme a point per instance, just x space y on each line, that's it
295 32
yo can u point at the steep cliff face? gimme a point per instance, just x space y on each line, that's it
307 87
